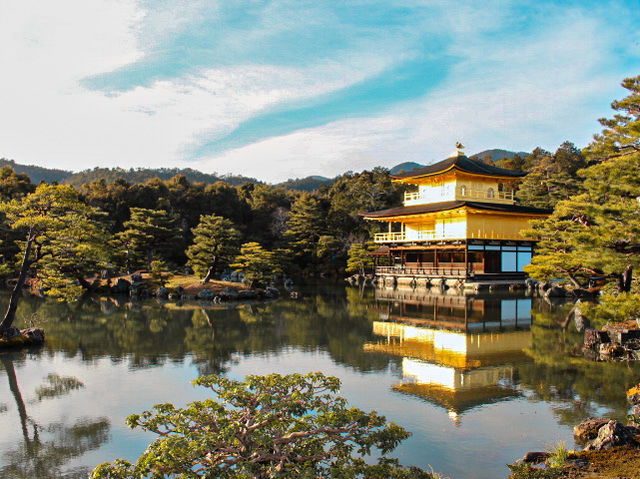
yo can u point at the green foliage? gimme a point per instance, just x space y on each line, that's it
67 237
309 183
621 133
359 260
527 471
558 455
58 386
330 252
36 174
143 175
355 193
596 233
261 213
160 272
14 185
305 225
551 178
148 234
270 426
258 264
266 220
516 163
613 307
216 242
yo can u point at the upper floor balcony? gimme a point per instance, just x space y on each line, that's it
402 236
461 193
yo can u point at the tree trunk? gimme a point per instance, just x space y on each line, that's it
627 277
207 277
623 280
84 283
210 271
575 281
149 259
10 315
129 261
7 363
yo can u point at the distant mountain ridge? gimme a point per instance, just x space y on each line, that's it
404 167
142 175
497 154
138 175
493 155
38 173
310 183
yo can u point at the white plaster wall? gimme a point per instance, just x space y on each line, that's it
451 228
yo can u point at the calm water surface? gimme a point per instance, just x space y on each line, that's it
479 380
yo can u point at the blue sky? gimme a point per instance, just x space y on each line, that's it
281 89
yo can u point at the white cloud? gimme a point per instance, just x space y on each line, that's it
537 91
47 118
328 151
497 95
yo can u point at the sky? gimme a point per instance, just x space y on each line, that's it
290 88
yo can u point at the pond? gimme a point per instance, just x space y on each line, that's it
479 379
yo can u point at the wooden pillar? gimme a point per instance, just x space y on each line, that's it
466 262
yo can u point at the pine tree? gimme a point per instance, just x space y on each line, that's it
552 178
359 260
216 242
64 242
258 264
306 223
596 234
148 234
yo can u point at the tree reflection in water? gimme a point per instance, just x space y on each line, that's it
47 448
332 319
575 386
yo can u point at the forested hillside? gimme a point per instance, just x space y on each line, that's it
37 173
153 216
310 183
142 175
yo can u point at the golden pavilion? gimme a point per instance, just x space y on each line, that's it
460 222
457 351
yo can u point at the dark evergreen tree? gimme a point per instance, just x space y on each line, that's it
216 242
149 234
597 233
63 242
258 265
552 178
305 225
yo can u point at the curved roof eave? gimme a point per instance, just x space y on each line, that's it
462 163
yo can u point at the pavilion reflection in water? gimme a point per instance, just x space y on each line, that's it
458 351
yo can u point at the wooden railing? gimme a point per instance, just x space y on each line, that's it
396 236
483 195
414 197
440 271
399 236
